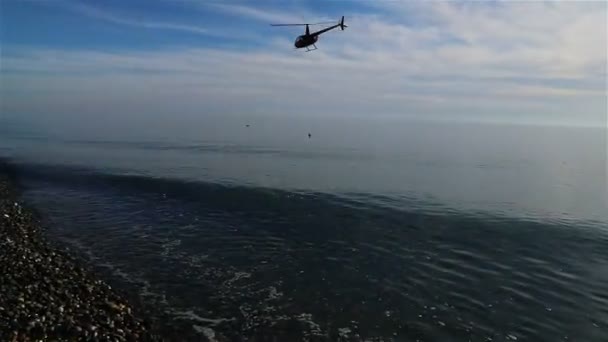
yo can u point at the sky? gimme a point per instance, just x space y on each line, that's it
504 61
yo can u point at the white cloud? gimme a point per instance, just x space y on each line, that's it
560 39
537 57
268 16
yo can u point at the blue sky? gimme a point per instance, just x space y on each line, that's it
485 60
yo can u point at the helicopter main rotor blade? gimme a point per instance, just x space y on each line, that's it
323 23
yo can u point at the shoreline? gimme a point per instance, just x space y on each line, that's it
46 293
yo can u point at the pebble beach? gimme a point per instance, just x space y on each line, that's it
46 294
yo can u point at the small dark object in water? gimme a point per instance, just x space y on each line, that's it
309 135
247 125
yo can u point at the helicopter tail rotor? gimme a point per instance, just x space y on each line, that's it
342 26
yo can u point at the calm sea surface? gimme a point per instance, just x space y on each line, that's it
368 230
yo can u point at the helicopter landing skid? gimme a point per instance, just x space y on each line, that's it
308 50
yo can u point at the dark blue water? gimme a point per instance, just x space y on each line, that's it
389 231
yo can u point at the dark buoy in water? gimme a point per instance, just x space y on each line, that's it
247 125
309 135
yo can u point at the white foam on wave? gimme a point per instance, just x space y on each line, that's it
306 318
94 259
344 332
314 329
236 277
144 286
205 331
191 315
273 294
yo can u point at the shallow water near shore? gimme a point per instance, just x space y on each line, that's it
426 232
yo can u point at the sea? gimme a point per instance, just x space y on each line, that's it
245 228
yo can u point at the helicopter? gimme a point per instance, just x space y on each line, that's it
308 39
